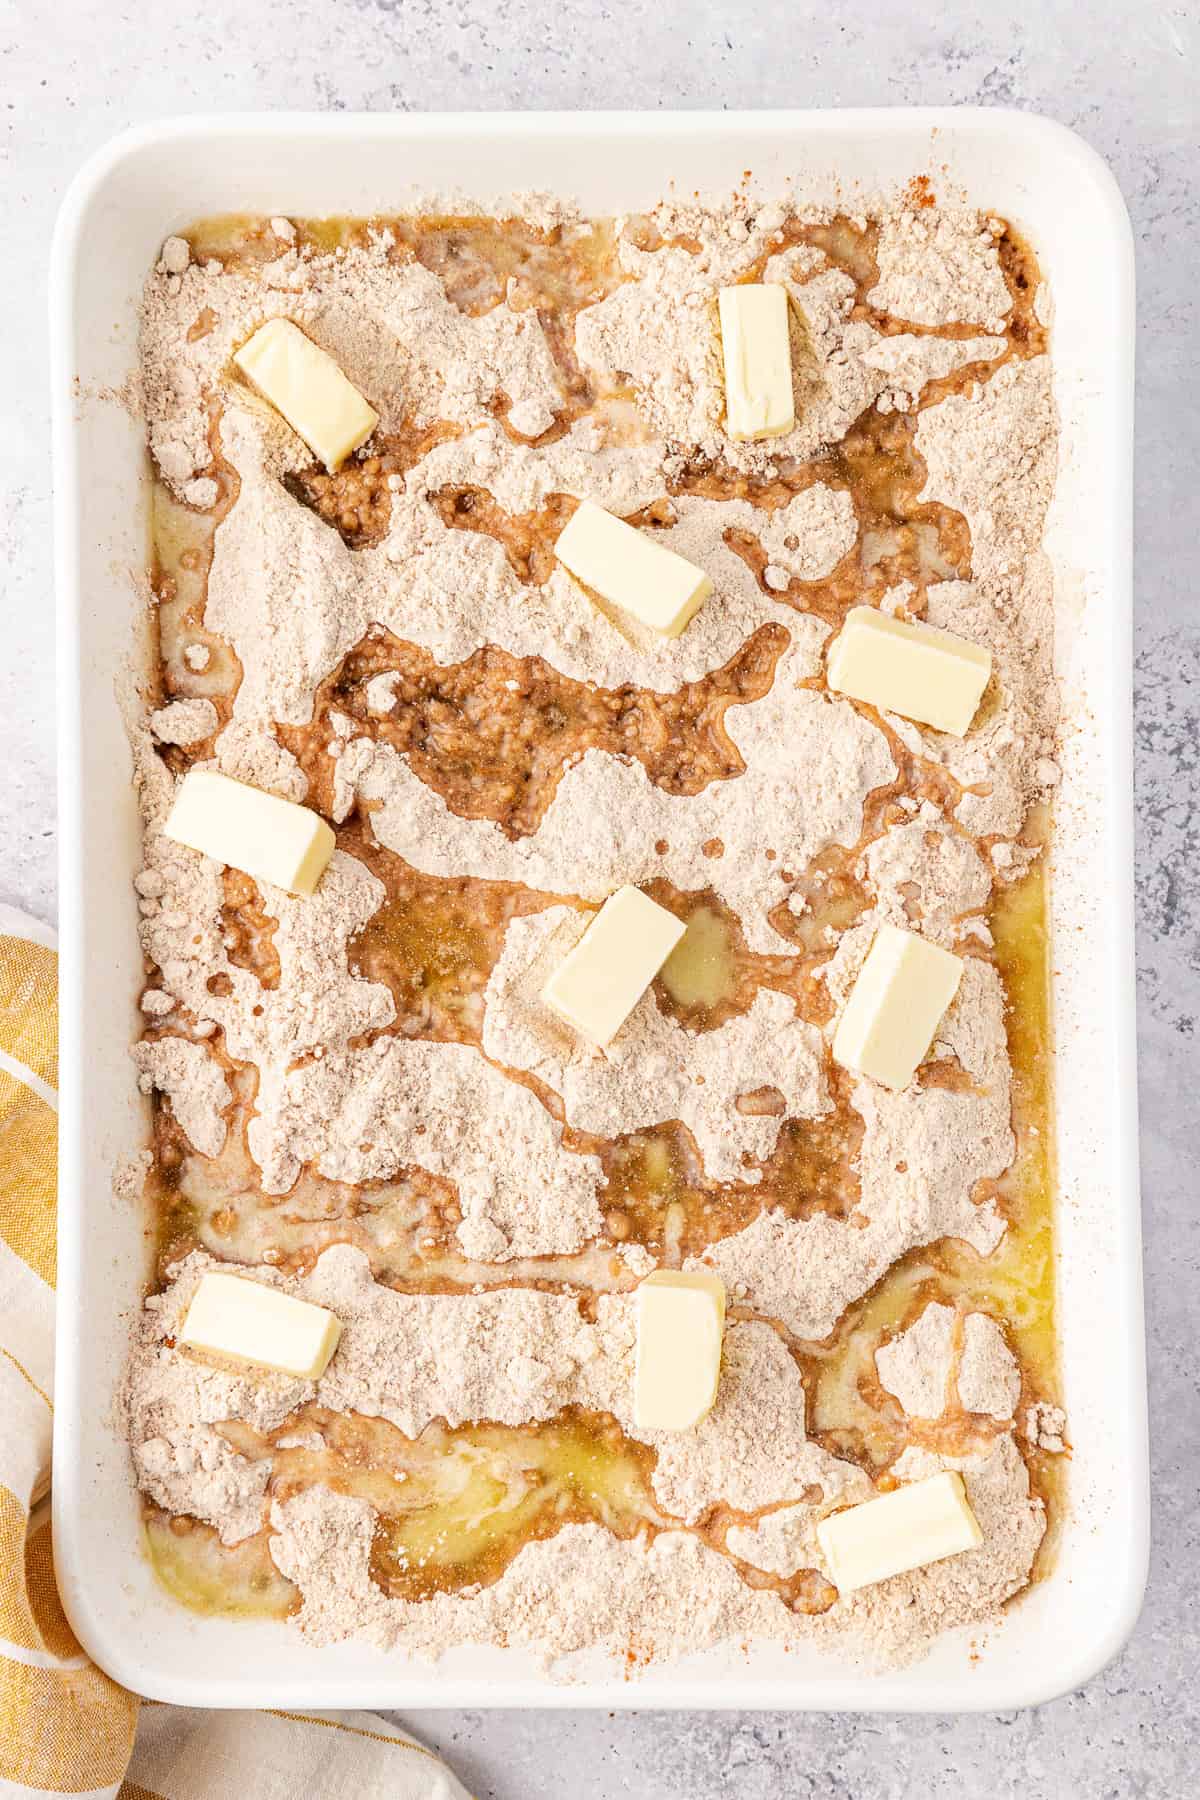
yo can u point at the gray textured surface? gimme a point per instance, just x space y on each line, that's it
72 74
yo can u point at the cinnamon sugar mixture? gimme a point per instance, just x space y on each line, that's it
359 1098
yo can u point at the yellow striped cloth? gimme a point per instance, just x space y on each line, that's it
65 1728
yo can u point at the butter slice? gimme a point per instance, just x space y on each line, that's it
655 586
758 361
680 1327
303 382
916 670
906 1529
249 1323
895 1006
598 983
264 836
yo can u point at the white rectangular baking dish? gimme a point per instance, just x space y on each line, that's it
156 180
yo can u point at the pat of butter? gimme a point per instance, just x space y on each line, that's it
916 670
264 836
243 1320
680 1327
599 982
631 571
895 1006
758 361
914 1525
305 384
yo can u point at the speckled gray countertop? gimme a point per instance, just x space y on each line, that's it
74 72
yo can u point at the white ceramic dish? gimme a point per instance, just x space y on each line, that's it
125 201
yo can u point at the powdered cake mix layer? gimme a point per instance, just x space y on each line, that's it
360 1097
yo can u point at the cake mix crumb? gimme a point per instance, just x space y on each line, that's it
362 1100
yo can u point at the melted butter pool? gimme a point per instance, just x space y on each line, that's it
1017 1281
